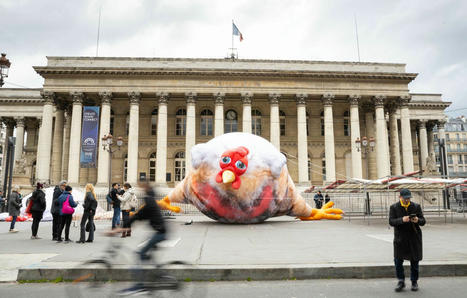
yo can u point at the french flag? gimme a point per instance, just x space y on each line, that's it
235 31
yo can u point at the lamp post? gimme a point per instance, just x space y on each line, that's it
109 146
4 68
365 145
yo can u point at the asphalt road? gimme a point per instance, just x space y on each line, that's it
429 287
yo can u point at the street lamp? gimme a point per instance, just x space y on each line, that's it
108 145
364 145
4 68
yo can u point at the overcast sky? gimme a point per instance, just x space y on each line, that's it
429 36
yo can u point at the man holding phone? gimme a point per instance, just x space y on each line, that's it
406 217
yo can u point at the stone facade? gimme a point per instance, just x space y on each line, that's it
312 111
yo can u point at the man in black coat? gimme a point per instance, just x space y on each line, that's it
115 204
406 217
55 209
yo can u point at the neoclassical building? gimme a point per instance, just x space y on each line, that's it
312 111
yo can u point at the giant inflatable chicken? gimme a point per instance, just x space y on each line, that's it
242 178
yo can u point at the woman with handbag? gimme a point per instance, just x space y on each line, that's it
14 206
127 199
90 205
66 207
36 207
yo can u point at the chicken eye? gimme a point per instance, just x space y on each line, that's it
240 165
225 160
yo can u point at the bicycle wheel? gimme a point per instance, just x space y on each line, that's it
90 283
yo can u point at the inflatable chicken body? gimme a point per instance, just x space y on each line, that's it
242 178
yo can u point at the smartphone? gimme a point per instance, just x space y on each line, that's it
412 215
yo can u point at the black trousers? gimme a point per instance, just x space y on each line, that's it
65 222
36 219
55 225
400 269
126 218
87 217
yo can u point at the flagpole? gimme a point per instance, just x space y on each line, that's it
232 54
98 31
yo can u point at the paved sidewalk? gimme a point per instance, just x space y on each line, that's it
278 248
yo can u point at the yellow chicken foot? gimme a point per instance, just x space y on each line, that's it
165 204
326 212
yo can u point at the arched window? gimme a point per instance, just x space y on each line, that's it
307 123
322 123
323 165
231 121
256 122
179 166
346 124
152 167
282 122
125 168
180 122
112 121
206 122
127 124
154 122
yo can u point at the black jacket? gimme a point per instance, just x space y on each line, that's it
55 208
150 211
90 203
407 235
38 201
115 200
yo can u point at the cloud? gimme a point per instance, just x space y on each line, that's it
429 36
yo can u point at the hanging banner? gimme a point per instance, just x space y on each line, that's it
89 135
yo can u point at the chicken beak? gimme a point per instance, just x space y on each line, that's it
228 176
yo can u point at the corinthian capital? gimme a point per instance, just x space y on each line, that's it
190 97
246 97
77 97
328 99
219 98
48 97
19 121
301 98
162 97
379 100
354 99
404 100
274 98
134 97
106 97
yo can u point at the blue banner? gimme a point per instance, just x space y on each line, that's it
89 135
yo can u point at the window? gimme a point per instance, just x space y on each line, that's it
127 124
1 151
322 123
465 147
154 123
457 136
231 121
450 159
256 122
465 159
179 166
282 122
447 137
112 121
451 170
458 147
323 164
307 121
180 122
125 168
152 167
206 122
459 161
346 124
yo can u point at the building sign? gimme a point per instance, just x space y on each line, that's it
89 135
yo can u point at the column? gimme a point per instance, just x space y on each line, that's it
395 151
302 140
44 145
246 116
407 150
423 141
103 161
328 100
382 150
75 138
355 134
431 140
219 114
57 148
133 137
66 144
275 135
190 128
442 139
19 137
8 133
370 133
161 153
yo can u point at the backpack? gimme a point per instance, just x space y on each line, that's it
133 201
66 208
109 198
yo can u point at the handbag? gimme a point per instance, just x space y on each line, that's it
66 208
88 226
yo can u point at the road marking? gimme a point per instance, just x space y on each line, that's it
165 243
383 237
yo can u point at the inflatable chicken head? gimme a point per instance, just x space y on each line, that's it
240 178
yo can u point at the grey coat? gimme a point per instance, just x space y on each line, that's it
14 204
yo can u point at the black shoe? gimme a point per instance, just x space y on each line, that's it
90 241
54 239
67 240
59 240
400 286
414 286
80 241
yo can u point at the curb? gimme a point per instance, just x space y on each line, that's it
236 273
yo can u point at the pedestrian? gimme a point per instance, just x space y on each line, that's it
66 208
115 204
37 208
406 217
318 198
326 198
2 201
14 206
126 206
89 206
55 209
